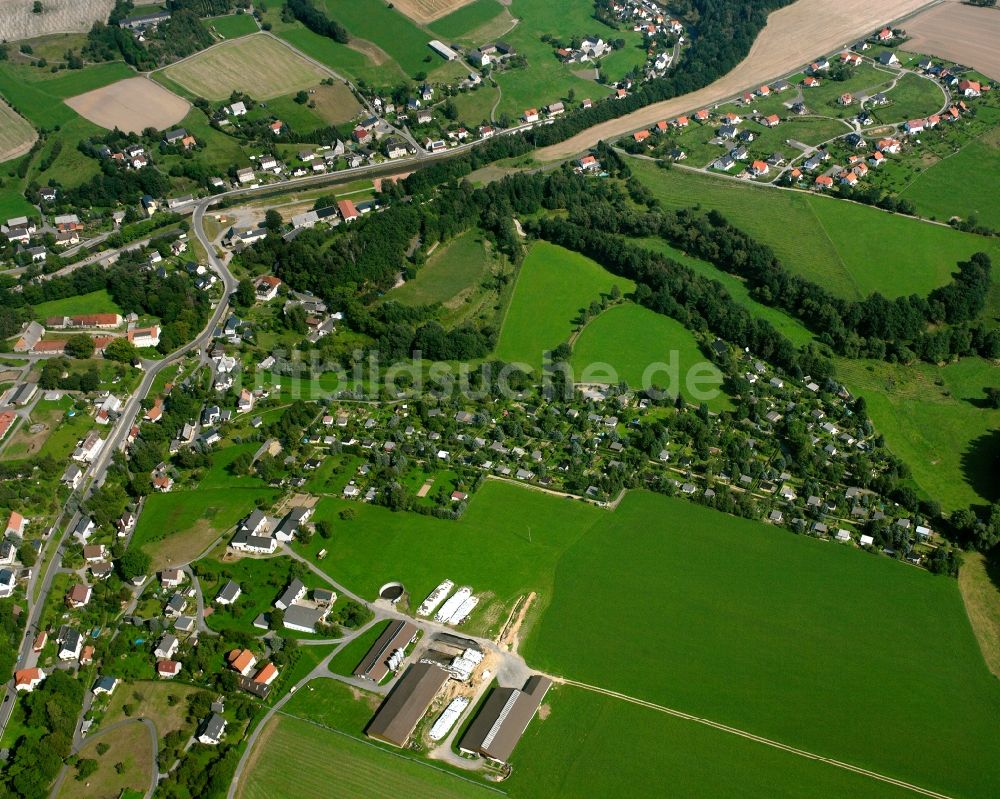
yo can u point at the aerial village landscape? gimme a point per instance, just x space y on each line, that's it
452 398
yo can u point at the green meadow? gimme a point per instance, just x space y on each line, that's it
803 641
525 530
466 19
94 302
456 267
387 28
593 745
231 26
630 338
812 644
553 286
936 420
961 184
851 249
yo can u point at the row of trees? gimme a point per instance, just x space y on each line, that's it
875 327
318 22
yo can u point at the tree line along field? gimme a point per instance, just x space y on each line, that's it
553 286
630 338
941 431
852 250
792 328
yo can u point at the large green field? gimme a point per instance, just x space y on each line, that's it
387 28
800 640
805 642
332 764
593 745
231 26
466 19
554 285
962 184
525 530
454 269
632 339
850 249
937 421
95 302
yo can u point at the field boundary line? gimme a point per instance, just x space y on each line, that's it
397 754
757 738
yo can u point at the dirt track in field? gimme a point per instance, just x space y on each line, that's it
794 35
961 33
131 105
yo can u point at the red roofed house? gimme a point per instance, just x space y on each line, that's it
40 640
915 126
155 412
970 88
852 59
588 162
361 135
810 82
758 168
795 174
772 121
241 661
848 178
28 679
277 126
661 126
163 483
877 159
87 655
267 675
267 287
145 336
347 210
764 91
888 146
16 524
620 94
530 115
884 35
846 98
641 136
49 347
7 418
824 182
701 116
680 122
168 669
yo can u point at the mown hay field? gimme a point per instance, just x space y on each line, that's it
258 65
